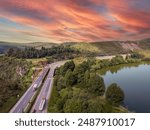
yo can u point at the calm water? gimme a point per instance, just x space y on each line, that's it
135 81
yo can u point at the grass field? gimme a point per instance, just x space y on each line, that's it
145 53
112 47
99 47
86 47
79 60
36 61
109 47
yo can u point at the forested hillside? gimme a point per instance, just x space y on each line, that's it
111 47
12 80
61 52
4 46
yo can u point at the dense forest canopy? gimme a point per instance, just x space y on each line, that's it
79 88
56 51
12 72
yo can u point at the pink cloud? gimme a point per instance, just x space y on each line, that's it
66 20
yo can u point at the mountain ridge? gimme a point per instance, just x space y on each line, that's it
101 47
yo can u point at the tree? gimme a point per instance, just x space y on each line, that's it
59 52
104 63
115 94
60 83
56 80
96 85
136 55
99 105
69 78
117 60
11 82
68 65
86 77
75 105
10 52
80 70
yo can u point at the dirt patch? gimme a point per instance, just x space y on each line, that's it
130 46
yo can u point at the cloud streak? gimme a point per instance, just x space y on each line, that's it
75 20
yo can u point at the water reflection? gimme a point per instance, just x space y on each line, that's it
134 80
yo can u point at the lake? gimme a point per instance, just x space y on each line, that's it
134 79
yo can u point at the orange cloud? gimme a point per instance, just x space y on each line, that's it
76 20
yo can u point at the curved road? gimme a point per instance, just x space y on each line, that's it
45 90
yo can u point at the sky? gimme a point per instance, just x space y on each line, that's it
74 20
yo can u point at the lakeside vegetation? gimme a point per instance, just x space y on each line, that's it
15 77
144 54
79 88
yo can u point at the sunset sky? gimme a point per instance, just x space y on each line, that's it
74 20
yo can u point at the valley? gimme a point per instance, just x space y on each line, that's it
33 60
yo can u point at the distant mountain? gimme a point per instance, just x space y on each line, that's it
145 40
111 47
102 47
38 45
6 45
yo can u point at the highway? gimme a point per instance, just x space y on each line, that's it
23 101
46 89
47 86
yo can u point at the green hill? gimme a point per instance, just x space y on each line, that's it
101 48
83 46
38 45
4 46
15 77
112 47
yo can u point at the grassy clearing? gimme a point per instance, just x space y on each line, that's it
88 47
79 60
109 47
36 61
145 53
